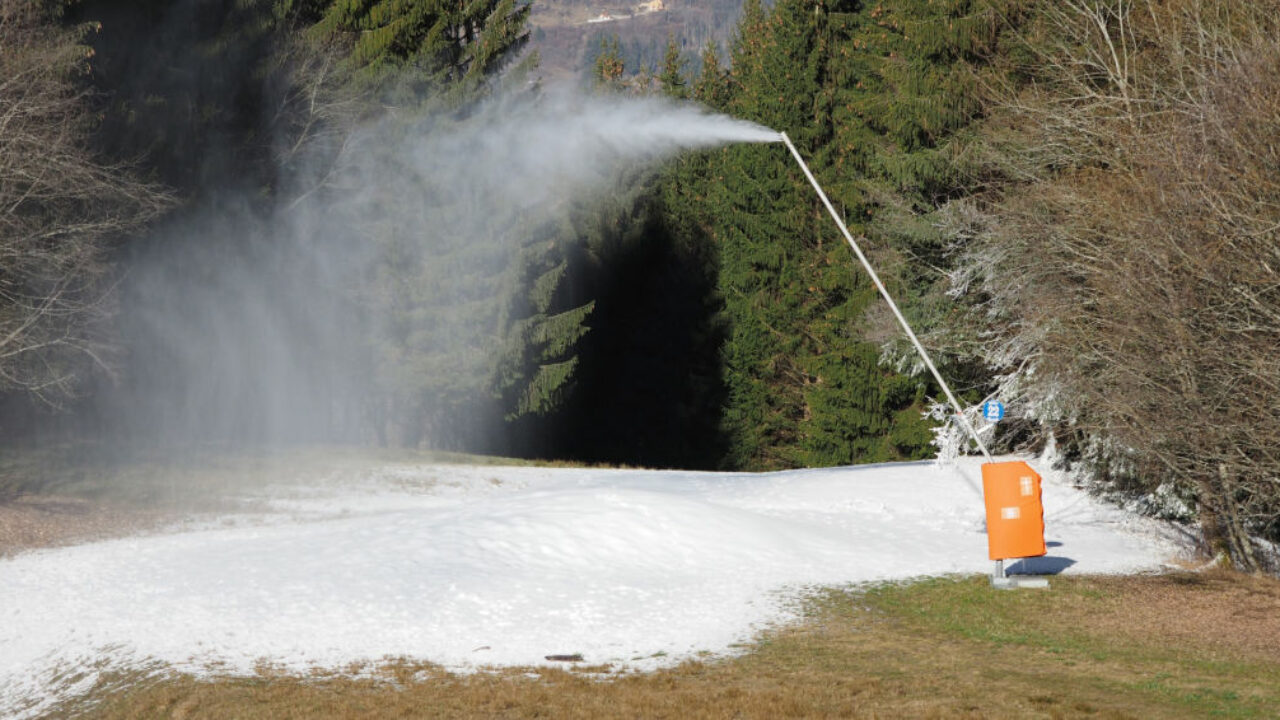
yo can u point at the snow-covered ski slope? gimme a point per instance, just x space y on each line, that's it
471 566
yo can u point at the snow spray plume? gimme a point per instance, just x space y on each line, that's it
371 304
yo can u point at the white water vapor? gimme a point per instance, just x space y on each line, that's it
372 292
634 126
561 144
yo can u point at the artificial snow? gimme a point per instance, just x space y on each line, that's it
473 567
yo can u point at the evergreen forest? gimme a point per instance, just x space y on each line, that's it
244 223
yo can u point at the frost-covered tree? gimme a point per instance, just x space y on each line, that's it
1121 270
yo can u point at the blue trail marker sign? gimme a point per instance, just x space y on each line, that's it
993 410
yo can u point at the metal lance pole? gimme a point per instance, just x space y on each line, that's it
885 293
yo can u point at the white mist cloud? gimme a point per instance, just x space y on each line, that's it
253 327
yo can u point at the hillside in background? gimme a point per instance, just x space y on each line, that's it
567 33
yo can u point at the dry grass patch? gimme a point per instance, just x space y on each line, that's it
59 495
1208 614
1140 647
31 522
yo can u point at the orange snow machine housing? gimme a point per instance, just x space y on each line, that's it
1015 513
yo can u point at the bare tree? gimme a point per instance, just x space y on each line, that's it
59 207
1125 278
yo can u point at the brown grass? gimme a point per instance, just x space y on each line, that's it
1210 613
61 494
1164 646
30 522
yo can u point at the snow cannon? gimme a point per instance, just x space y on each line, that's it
1015 518
1015 515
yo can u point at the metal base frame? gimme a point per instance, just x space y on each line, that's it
1000 581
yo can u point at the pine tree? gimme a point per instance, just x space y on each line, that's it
447 46
196 114
542 328
711 87
804 386
672 77
471 324
609 66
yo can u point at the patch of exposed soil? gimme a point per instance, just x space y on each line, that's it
37 521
